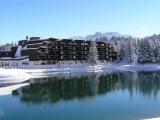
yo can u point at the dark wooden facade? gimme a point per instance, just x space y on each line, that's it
59 50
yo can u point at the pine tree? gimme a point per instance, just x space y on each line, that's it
118 49
93 54
145 52
155 40
131 50
111 53
158 56
122 53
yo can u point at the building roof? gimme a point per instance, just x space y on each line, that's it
30 49
44 47
13 59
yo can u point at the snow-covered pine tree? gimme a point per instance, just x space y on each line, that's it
7 46
135 50
93 54
158 56
118 48
155 43
111 52
131 50
122 54
157 51
145 52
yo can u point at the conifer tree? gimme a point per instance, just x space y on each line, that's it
93 54
131 50
158 56
145 52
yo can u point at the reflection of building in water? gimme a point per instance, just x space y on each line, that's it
54 89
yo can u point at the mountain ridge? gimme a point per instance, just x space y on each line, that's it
97 35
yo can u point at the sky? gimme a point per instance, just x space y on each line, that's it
68 18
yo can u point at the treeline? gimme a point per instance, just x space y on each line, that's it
129 49
7 46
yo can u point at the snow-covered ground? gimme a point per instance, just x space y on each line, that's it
8 76
8 90
21 75
153 119
130 67
88 68
13 76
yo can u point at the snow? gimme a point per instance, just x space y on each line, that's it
18 52
17 58
15 76
8 90
92 56
25 74
153 119
108 35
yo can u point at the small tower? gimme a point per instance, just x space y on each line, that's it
26 37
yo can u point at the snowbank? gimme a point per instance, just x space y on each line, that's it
122 66
8 90
13 76
96 68
153 119
21 75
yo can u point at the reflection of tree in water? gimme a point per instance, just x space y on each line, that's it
127 81
149 83
54 89
107 82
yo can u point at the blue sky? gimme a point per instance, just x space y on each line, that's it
67 18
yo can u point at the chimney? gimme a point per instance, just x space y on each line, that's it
26 37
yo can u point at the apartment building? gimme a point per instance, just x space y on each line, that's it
52 50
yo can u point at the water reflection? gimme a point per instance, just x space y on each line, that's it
54 89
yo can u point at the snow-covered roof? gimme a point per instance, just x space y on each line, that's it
6 58
46 42
17 58
30 48
36 43
43 46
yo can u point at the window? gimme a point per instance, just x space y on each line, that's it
25 63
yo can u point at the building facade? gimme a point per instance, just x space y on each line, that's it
52 50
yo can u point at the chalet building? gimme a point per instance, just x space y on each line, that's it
51 51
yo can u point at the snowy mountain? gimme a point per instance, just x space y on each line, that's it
97 35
